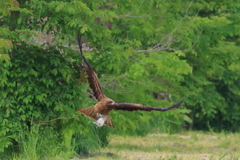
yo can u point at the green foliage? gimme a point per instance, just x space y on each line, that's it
39 85
139 49
214 82
36 143
5 46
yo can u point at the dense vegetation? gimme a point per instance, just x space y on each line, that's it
143 51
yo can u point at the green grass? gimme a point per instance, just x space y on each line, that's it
183 146
38 145
189 145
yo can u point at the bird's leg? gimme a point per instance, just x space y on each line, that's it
101 120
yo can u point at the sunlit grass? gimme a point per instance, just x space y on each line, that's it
189 145
182 146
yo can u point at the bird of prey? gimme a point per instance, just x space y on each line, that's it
100 111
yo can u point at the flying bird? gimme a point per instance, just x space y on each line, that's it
100 111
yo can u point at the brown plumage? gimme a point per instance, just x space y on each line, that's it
105 105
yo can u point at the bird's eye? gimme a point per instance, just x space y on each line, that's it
110 102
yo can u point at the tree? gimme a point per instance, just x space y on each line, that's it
215 59
140 50
40 81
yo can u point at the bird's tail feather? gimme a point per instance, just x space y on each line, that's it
108 122
91 113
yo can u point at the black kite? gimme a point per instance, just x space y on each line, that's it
100 111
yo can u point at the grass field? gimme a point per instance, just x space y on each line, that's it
189 145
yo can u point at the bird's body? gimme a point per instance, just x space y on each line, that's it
103 107
100 111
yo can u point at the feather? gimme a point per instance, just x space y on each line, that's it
89 112
100 111
108 122
135 107
91 75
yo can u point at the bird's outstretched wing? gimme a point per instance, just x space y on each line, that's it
135 107
91 75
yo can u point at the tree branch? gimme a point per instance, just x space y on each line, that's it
47 122
167 40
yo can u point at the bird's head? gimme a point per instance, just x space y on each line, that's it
110 101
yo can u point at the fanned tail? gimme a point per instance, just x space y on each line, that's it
90 112
108 122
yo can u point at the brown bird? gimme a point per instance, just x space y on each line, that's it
100 111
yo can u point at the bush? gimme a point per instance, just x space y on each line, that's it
39 85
